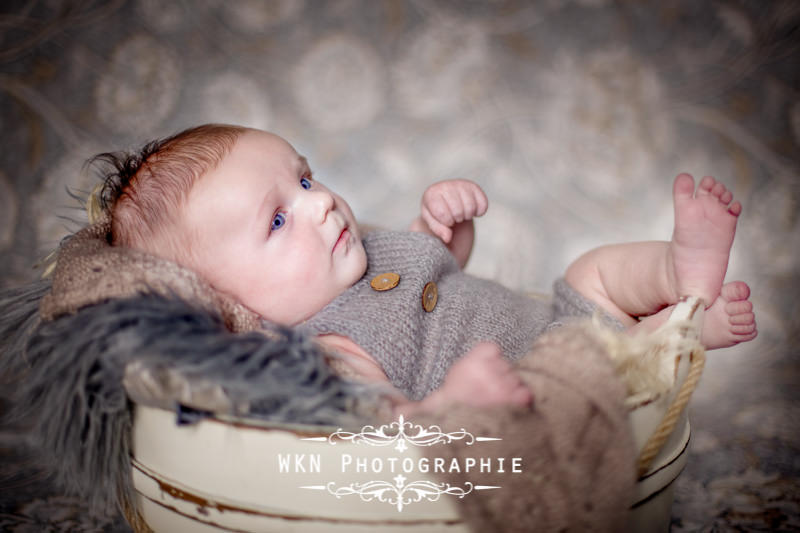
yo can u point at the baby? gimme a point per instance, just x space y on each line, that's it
241 208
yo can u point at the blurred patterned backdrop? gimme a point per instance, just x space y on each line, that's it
574 115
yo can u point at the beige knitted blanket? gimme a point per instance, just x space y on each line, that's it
89 271
575 446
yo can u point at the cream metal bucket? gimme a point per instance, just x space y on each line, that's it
222 474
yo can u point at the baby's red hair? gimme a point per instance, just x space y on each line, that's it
145 191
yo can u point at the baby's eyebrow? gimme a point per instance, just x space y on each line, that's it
303 163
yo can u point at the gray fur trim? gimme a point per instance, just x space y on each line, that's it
19 315
68 378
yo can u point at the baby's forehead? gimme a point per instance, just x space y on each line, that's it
270 145
257 157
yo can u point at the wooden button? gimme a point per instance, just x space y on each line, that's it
429 296
385 282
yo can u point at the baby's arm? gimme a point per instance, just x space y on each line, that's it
448 208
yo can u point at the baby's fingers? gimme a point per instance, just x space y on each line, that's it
473 200
442 203
442 231
454 201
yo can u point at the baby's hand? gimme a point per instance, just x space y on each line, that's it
446 203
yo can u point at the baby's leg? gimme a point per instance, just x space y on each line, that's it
639 279
481 378
729 320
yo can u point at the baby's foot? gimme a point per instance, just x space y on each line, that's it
482 378
730 319
705 224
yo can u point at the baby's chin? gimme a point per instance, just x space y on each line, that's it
305 308
360 267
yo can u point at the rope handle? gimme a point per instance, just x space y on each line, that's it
688 316
697 360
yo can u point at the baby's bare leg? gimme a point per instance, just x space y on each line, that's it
627 280
639 279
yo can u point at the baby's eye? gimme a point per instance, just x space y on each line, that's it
277 222
305 182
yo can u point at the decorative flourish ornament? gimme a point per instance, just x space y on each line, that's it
398 493
402 433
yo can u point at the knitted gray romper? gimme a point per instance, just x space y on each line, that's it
416 347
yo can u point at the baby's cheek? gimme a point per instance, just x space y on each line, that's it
306 290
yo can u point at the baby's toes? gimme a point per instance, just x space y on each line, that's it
706 185
742 319
743 329
683 188
735 290
725 198
719 190
738 307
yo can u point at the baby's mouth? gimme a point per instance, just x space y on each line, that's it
343 237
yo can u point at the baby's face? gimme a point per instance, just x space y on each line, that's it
266 233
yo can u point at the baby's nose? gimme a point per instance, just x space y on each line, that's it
322 202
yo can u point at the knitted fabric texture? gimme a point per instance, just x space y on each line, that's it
415 347
89 271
